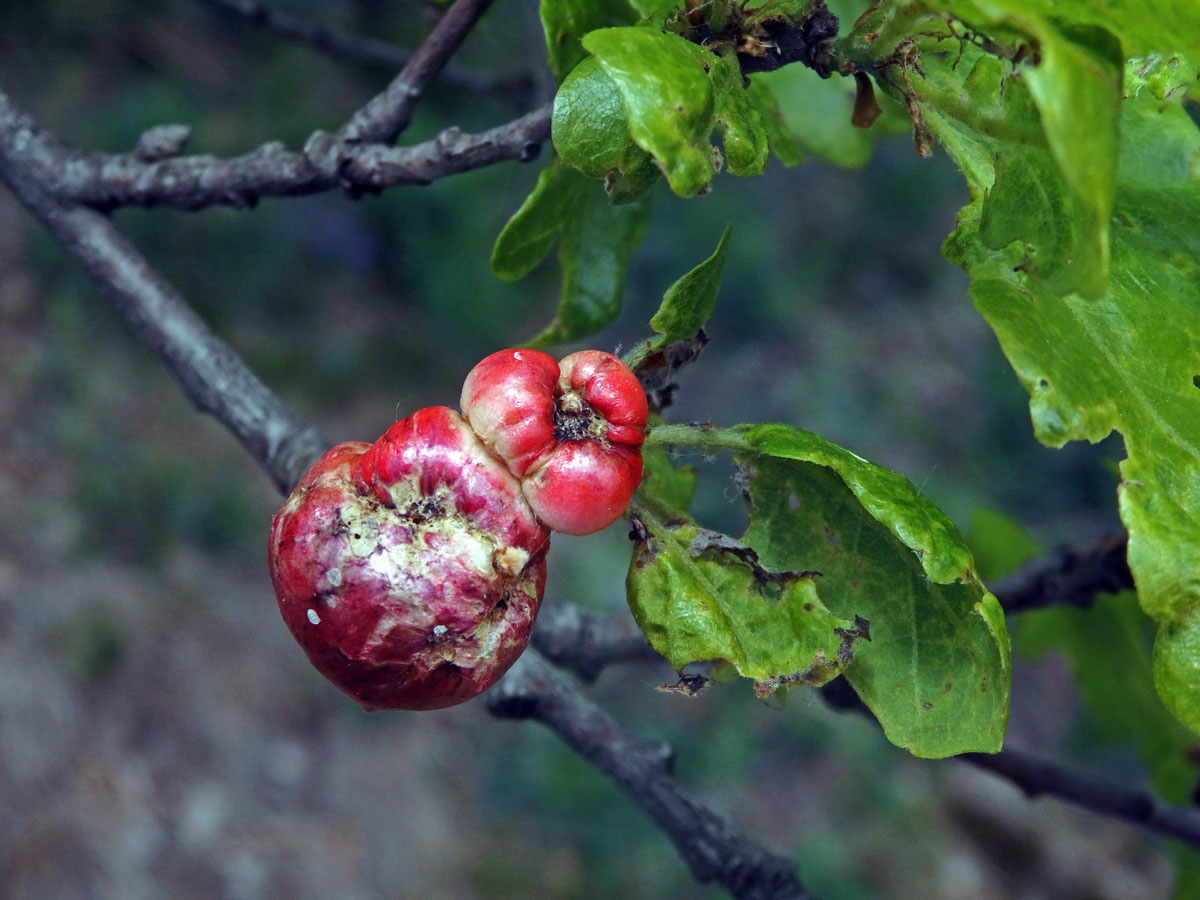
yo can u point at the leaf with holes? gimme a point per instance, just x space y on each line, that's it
936 671
1124 361
699 596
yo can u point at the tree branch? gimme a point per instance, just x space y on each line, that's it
587 642
357 157
387 114
1038 776
361 50
375 167
105 181
210 372
711 849
338 46
1071 577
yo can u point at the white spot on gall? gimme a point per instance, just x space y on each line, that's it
334 577
313 617
439 630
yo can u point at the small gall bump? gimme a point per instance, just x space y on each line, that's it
313 617
510 561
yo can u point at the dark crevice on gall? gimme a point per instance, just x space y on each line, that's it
424 509
574 426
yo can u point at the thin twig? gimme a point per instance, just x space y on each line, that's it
707 843
338 46
387 114
1039 776
106 181
364 51
587 642
210 372
1073 577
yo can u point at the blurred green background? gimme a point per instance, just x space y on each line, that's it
160 735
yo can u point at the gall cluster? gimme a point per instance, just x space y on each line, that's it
410 570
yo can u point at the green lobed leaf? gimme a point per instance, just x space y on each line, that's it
668 97
745 134
597 244
1077 89
1125 361
698 597
1164 26
1030 202
936 672
689 302
887 496
646 104
1072 73
1177 667
685 307
565 22
589 132
990 124
780 140
528 236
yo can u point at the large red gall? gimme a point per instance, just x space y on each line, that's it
410 570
